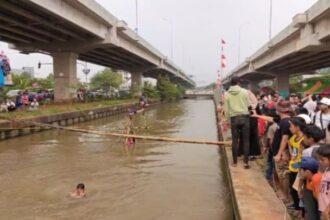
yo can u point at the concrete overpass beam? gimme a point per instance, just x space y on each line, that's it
136 83
308 40
65 74
283 85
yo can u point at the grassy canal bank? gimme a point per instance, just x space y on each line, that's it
54 109
22 122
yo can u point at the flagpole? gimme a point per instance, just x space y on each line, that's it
222 64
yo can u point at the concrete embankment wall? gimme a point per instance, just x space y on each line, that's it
16 128
251 195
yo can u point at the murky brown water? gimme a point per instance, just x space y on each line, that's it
154 181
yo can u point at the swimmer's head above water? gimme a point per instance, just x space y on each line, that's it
80 192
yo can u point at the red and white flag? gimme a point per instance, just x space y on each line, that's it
223 63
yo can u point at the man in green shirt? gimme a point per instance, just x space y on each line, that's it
236 108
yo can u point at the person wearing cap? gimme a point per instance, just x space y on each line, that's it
308 171
322 117
236 108
280 148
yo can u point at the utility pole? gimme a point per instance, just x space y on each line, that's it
239 42
172 35
136 16
270 19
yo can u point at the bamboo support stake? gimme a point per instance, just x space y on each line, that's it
177 140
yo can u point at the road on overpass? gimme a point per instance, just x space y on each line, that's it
302 47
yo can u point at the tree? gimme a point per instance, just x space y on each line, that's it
106 79
211 86
150 90
22 81
46 83
168 90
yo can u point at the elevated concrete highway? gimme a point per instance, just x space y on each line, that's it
301 47
199 93
81 29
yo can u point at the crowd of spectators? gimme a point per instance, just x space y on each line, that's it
294 134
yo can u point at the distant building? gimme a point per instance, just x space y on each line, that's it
26 69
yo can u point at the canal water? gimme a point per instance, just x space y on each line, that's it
152 181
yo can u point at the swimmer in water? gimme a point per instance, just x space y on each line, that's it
79 193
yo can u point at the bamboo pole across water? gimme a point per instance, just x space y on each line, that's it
153 138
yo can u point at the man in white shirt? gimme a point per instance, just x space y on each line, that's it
310 104
322 118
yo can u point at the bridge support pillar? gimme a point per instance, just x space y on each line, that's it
283 85
65 75
136 83
254 86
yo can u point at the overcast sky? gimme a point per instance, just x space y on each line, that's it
198 26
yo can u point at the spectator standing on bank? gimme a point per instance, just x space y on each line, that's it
236 108
25 99
310 104
322 117
18 100
280 148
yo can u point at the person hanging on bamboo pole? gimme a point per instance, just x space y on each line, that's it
143 101
131 140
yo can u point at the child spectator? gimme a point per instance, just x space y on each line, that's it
297 124
268 143
309 173
324 196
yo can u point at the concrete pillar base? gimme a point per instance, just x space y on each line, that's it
254 86
136 86
65 75
283 85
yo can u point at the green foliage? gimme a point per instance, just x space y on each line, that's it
106 79
25 81
150 90
168 90
22 81
46 83
210 86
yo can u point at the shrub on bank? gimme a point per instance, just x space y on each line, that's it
167 89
